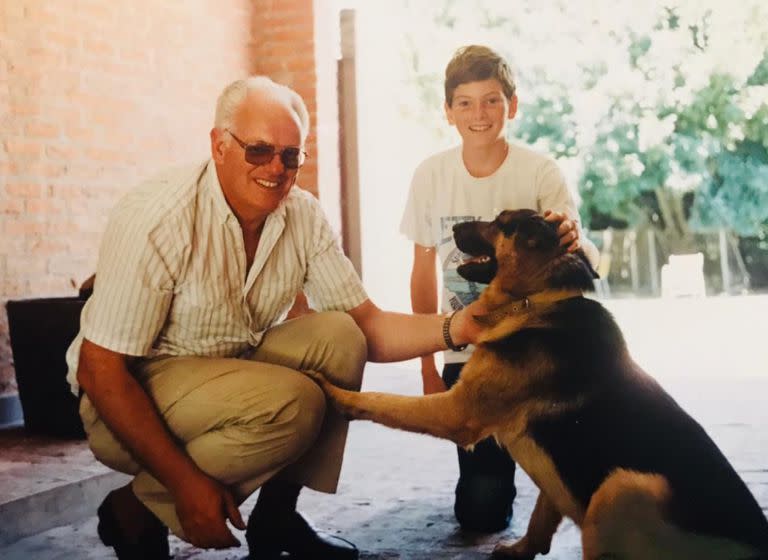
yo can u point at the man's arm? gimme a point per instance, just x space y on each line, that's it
393 337
424 300
202 504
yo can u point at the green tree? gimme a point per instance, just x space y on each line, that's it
660 109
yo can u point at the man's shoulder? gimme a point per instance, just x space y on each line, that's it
167 184
162 196
301 201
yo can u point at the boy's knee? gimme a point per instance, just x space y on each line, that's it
484 503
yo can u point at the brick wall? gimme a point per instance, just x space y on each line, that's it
95 96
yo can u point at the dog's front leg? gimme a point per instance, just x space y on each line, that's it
442 415
538 539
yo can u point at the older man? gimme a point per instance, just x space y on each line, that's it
189 377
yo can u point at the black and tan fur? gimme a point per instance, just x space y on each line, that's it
552 381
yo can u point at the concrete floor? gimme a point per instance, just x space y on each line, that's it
396 496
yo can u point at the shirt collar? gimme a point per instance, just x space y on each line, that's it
212 185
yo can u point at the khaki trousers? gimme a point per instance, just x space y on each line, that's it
243 420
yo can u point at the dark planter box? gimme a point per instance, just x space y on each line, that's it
41 331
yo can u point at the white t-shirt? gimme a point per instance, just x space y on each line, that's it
171 277
443 193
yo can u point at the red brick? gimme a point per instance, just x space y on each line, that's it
62 39
66 192
103 96
24 190
24 107
43 206
62 152
24 148
42 130
46 246
11 205
23 227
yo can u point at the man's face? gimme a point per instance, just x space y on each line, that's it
479 111
253 191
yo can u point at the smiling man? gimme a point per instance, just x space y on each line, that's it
190 378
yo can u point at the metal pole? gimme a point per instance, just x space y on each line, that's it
724 268
653 262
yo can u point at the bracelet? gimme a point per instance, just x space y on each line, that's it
447 334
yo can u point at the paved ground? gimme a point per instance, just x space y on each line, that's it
395 499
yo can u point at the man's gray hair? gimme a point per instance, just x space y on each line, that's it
234 94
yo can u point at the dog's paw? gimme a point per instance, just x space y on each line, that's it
336 395
518 550
317 377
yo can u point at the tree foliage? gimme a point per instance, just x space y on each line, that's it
658 110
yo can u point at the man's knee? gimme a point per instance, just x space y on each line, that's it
299 411
103 443
110 452
345 346
340 328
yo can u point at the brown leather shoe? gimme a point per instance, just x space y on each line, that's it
267 539
152 544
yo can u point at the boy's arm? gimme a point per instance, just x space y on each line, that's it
424 300
558 205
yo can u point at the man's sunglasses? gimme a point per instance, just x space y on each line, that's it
261 153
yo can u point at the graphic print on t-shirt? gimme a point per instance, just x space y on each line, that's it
457 291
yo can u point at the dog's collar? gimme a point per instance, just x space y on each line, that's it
520 305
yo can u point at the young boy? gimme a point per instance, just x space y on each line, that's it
477 180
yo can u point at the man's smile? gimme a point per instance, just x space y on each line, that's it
268 184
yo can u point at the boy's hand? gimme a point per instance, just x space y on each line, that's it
568 229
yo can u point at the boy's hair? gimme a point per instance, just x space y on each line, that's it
475 63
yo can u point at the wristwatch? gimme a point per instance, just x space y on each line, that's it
447 334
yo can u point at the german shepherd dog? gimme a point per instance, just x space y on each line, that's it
551 379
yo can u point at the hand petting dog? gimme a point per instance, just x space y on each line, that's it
568 230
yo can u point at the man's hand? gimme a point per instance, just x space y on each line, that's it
431 379
464 328
568 229
203 509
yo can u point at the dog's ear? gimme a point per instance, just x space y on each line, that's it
539 234
583 255
573 270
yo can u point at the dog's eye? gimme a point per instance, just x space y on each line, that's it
508 228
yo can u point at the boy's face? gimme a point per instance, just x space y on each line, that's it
479 111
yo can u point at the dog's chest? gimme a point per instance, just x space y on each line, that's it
539 466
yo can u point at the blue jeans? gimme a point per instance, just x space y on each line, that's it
486 487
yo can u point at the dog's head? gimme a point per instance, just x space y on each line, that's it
522 252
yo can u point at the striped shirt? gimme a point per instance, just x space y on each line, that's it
171 277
